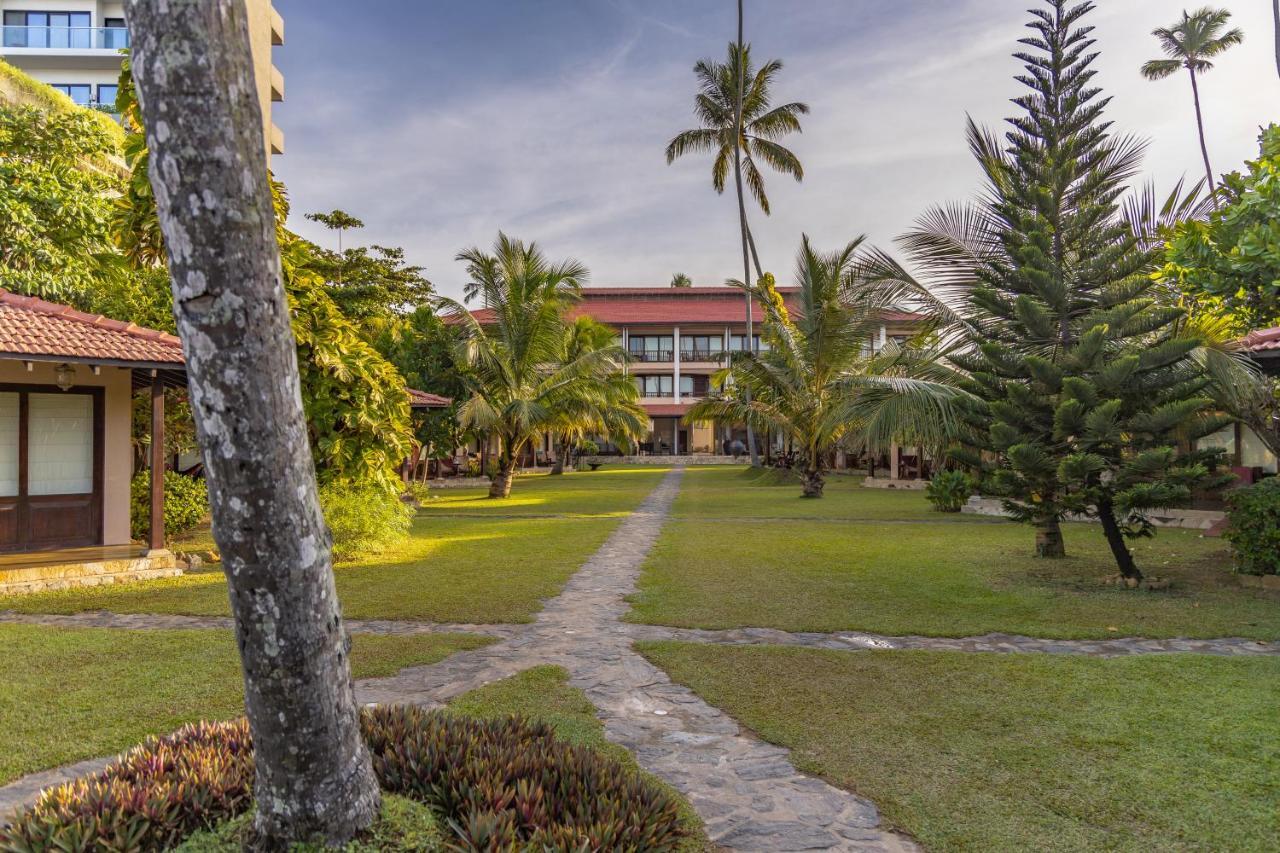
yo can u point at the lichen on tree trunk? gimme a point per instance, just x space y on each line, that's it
194 74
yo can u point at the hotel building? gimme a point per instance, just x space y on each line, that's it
677 338
74 46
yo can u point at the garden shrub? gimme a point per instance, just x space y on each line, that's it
510 784
363 519
151 798
948 490
186 503
420 492
502 784
1253 528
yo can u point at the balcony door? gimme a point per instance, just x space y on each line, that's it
50 468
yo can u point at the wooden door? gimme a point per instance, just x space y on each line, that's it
51 453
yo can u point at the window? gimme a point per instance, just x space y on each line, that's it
701 347
655 386
114 36
9 444
694 386
107 95
81 93
60 444
651 347
737 343
47 29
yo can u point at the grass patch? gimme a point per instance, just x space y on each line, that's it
75 693
1019 752
449 570
609 493
543 693
905 574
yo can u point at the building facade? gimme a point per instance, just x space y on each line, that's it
74 46
677 339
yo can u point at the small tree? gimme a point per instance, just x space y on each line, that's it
681 280
194 73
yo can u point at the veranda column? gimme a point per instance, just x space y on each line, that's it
675 390
155 538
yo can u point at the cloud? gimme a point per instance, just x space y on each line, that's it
567 147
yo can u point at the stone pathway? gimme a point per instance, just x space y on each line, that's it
747 792
1000 643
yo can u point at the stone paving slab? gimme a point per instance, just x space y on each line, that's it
996 643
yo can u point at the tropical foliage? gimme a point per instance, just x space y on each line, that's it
820 382
54 236
1229 264
521 380
1085 386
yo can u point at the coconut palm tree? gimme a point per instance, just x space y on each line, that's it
681 280
820 381
762 125
1191 44
520 380
611 411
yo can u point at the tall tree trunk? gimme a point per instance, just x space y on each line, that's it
742 223
1049 539
1204 149
1275 13
192 66
1115 539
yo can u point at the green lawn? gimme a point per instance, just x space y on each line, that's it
450 570
72 694
924 573
612 491
1020 752
543 693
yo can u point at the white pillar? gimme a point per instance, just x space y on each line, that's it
675 358
884 337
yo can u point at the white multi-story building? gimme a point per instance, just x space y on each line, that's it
74 46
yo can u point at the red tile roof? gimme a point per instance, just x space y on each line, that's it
673 305
1262 339
666 410
39 329
426 400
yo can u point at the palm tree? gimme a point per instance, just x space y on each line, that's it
612 411
681 280
521 382
1275 14
1191 44
820 382
716 107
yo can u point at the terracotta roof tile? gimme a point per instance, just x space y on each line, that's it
670 305
34 327
1262 340
426 400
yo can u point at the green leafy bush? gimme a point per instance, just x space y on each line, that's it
186 503
420 492
1253 516
502 784
363 519
948 490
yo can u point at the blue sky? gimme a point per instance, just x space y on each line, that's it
439 123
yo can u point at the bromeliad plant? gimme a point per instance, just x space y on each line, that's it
820 381
522 379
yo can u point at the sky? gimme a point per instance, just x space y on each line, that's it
441 122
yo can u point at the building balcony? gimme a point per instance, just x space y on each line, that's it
652 356
710 356
64 38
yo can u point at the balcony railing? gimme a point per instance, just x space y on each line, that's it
647 392
651 355
67 38
701 354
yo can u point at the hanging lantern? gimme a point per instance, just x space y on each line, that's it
64 376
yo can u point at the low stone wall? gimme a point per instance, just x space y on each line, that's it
1187 519
20 581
